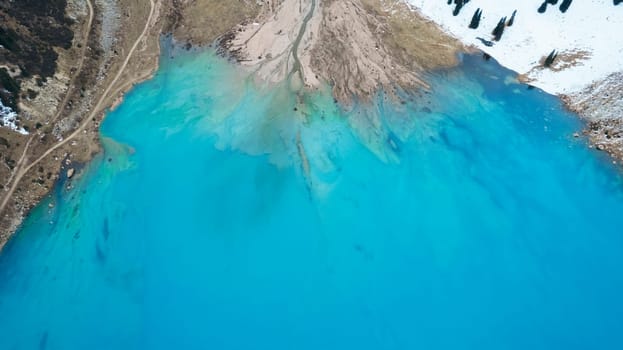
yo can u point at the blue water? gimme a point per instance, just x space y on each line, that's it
219 217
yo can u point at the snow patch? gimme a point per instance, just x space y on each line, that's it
8 119
587 37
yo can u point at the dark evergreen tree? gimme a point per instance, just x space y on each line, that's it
475 19
499 29
543 7
457 9
550 58
512 20
552 2
616 2
564 6
449 2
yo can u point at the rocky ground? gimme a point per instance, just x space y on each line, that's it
601 105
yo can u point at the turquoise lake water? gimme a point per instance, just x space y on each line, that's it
219 217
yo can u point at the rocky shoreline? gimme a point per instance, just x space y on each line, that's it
601 106
585 73
71 105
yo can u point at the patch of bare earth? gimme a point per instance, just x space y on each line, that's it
357 46
200 22
564 60
367 45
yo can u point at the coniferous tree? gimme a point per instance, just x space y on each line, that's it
552 2
550 58
616 2
499 29
475 19
564 6
449 2
512 20
543 7
457 9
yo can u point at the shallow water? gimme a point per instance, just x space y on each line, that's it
219 217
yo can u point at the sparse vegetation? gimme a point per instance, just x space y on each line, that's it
33 50
8 39
7 82
4 142
9 89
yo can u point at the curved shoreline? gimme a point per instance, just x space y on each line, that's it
95 115
356 63
584 76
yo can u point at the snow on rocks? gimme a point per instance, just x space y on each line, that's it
8 119
587 38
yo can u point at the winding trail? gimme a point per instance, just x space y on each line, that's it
85 45
61 107
86 120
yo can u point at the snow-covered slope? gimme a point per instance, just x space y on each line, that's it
588 37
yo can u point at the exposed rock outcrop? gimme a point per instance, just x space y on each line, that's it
601 105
